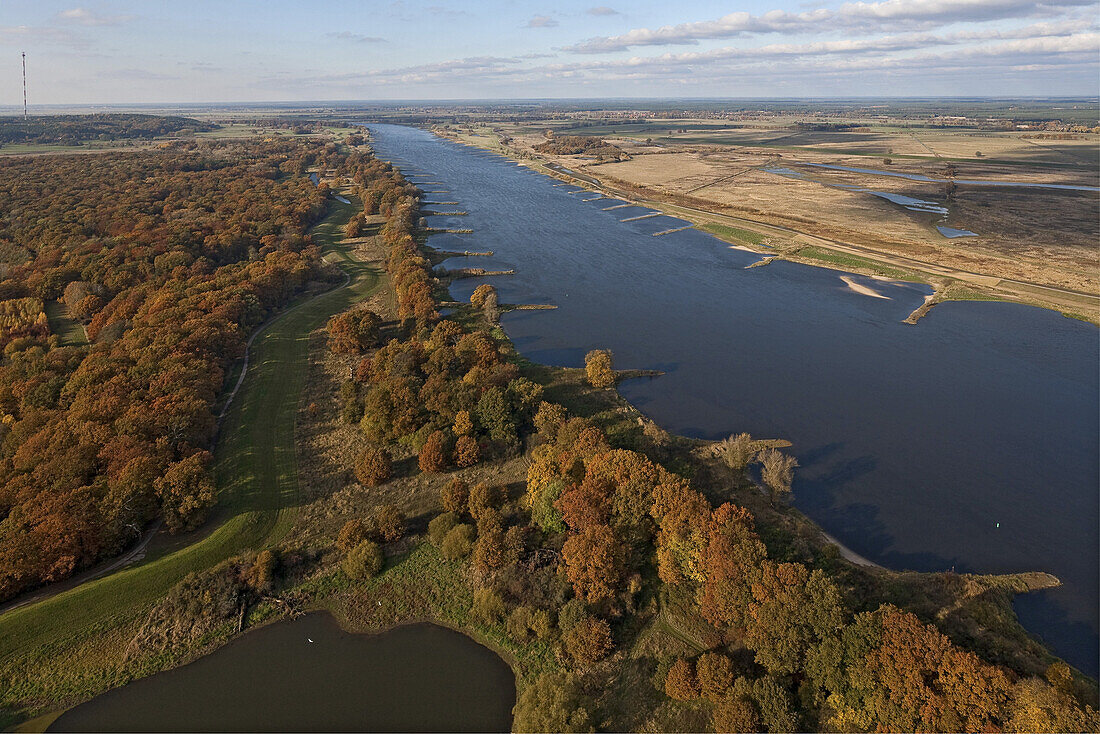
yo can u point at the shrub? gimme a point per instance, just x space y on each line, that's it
552 702
433 455
526 623
363 561
734 713
597 366
440 525
484 496
374 466
458 543
488 606
588 641
261 575
456 496
390 522
467 452
352 534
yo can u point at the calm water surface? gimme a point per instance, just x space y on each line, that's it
417 678
968 440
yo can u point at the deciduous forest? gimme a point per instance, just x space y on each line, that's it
167 260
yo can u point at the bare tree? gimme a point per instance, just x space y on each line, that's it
778 472
737 452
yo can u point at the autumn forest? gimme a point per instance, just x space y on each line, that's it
631 579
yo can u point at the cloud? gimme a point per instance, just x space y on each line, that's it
42 34
863 17
954 58
541 21
83 16
354 37
602 10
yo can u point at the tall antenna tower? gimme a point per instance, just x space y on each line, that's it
24 85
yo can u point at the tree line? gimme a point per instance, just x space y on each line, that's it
77 129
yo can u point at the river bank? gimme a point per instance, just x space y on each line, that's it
874 385
790 242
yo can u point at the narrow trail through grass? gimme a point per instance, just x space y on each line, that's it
255 466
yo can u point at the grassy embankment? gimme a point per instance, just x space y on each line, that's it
67 646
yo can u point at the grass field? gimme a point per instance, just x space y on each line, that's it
69 331
854 262
256 469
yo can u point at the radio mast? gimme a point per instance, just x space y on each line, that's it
24 85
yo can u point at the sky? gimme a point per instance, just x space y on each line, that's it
134 51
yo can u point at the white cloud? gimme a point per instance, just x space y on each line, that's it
602 10
83 16
886 16
541 21
354 37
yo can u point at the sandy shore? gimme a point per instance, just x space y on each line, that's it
862 289
850 555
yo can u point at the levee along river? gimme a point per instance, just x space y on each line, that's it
966 441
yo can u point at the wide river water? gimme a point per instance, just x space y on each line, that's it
966 441
309 675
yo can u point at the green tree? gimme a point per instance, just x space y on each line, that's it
714 672
363 561
488 606
458 543
440 525
552 703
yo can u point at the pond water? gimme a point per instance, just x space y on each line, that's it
952 233
976 182
967 441
310 675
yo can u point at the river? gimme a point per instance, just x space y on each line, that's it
966 441
309 675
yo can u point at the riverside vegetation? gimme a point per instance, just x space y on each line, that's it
633 579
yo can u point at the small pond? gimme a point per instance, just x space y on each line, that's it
310 675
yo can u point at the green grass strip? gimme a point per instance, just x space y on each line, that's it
70 332
732 234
